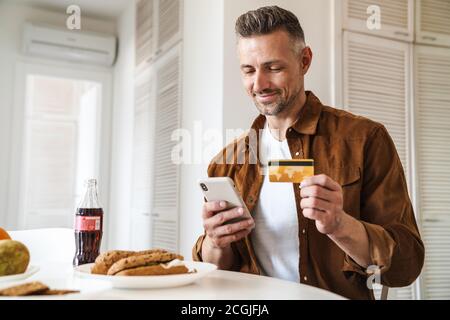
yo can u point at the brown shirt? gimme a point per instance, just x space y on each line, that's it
360 155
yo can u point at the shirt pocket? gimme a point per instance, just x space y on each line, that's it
349 178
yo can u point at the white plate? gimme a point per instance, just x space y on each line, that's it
147 282
15 277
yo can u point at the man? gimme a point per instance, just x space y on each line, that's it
335 228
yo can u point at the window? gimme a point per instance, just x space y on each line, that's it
60 147
60 138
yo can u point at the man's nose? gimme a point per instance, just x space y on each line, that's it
261 82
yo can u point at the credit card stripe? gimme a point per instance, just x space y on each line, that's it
292 163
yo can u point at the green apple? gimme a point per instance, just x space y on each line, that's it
14 257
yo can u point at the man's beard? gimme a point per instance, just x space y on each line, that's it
278 106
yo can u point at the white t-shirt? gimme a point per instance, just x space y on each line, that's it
275 237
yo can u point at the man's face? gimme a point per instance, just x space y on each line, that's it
272 73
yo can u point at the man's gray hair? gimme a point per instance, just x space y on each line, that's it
268 19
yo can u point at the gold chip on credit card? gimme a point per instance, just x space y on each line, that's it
291 170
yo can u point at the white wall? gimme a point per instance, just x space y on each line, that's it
122 134
202 101
12 17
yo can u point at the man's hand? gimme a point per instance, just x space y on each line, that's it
322 201
219 233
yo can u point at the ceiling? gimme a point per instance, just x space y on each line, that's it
94 8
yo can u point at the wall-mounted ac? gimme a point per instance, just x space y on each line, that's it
69 45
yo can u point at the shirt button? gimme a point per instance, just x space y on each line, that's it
290 129
297 153
305 278
303 231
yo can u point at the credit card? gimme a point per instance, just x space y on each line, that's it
290 170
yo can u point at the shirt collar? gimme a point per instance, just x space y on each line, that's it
307 120
309 115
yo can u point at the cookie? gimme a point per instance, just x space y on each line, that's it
150 251
107 259
156 270
25 289
142 261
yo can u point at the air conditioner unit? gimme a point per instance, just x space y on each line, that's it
69 45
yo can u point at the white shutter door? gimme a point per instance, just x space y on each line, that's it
169 22
396 17
166 175
433 22
432 85
376 82
376 85
144 30
142 159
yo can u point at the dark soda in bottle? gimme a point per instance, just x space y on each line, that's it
88 226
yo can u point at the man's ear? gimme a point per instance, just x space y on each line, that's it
306 59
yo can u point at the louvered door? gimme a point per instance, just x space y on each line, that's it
169 23
165 198
432 69
396 18
145 31
376 85
142 159
433 22
158 28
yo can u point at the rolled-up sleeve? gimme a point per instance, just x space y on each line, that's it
197 249
388 216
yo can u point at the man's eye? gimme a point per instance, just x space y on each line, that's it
275 69
248 71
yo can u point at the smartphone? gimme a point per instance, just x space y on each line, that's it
223 189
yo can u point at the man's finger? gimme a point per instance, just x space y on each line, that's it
318 192
222 217
316 203
226 240
313 214
211 207
321 180
233 227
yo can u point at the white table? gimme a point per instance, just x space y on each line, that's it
218 285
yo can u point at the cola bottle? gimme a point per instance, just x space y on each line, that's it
88 226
